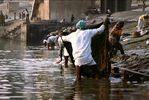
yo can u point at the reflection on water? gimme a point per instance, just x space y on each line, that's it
30 73
89 89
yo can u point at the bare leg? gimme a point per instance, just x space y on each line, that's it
66 61
78 74
48 46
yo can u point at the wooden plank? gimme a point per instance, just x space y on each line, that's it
135 72
135 40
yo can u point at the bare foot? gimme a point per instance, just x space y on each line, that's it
58 61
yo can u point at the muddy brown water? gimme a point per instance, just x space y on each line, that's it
30 73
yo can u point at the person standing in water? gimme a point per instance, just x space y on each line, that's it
81 44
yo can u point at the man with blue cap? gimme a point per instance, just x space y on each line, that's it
81 44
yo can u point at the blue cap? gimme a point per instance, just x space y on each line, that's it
81 24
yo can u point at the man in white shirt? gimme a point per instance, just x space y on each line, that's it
81 44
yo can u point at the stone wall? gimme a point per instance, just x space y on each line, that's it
43 10
23 35
4 8
13 6
60 9
65 8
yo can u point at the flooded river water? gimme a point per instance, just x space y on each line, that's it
30 73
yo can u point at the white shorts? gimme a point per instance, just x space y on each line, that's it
44 41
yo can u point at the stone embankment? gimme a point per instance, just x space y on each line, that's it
136 63
12 29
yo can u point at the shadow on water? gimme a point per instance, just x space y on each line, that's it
30 73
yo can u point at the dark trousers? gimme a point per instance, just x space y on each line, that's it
114 47
90 71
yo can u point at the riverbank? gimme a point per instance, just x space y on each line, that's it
136 49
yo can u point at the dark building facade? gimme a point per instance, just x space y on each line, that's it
115 5
1 1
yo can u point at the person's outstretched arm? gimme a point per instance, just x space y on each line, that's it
101 29
94 26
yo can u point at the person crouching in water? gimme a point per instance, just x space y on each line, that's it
45 39
52 41
81 44
114 39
